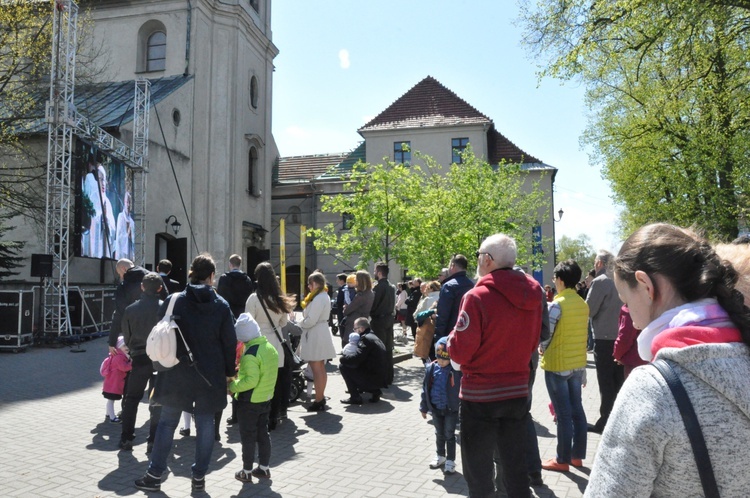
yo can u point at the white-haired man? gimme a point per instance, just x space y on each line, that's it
496 333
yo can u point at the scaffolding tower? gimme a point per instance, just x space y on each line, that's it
140 170
60 111
64 122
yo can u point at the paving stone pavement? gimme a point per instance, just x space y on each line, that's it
54 441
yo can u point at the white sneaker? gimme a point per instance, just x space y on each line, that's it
450 467
437 462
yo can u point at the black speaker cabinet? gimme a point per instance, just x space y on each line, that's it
41 265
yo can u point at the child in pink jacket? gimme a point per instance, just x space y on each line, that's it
114 369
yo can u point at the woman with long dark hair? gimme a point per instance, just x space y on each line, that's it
275 315
694 323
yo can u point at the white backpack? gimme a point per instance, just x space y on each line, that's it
161 345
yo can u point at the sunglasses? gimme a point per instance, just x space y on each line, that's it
477 254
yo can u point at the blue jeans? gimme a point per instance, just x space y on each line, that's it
565 394
204 441
445 432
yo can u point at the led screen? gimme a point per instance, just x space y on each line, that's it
103 210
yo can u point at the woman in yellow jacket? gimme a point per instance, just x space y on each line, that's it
564 365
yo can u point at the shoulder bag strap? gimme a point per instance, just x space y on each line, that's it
170 308
281 340
169 316
694 432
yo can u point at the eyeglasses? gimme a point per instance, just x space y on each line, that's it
477 254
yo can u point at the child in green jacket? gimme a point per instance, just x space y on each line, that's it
253 389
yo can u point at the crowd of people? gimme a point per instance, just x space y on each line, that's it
667 298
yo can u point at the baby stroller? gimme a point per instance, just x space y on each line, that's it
299 381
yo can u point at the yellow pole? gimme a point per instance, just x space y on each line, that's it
302 245
282 253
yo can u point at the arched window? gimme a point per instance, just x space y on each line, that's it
294 215
254 92
152 47
156 51
252 171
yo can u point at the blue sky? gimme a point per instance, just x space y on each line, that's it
342 62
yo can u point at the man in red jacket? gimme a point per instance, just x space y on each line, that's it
496 332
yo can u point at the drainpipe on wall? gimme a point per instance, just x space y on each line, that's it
187 38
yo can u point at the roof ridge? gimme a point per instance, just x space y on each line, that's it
427 103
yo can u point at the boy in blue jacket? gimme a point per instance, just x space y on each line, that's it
440 396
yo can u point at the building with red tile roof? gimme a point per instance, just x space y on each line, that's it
429 118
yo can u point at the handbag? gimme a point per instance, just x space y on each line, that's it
296 361
694 432
423 339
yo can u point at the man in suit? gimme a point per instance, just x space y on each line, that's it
235 285
381 313
169 286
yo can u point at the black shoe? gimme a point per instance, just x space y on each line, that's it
260 473
198 484
126 445
594 428
272 423
376 396
148 483
351 400
535 478
317 406
184 432
243 476
231 421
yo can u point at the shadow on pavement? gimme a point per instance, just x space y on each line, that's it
41 373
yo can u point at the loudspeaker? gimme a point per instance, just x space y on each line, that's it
41 265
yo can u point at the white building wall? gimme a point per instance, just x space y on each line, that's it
229 43
433 142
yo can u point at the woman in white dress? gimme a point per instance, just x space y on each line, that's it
316 345
125 241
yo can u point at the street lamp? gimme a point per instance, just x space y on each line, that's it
175 224
560 212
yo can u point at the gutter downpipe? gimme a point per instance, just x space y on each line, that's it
187 38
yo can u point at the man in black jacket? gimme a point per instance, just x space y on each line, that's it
137 321
453 289
366 369
126 293
169 286
235 286
381 313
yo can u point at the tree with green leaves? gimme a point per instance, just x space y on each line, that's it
668 85
578 249
421 216
25 55
378 201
